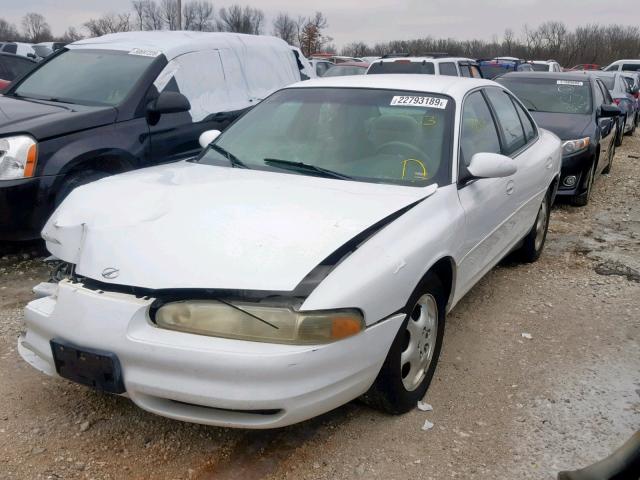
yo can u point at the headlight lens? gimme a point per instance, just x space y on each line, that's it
258 323
574 146
18 156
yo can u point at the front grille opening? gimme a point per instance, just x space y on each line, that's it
263 412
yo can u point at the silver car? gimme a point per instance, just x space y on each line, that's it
623 96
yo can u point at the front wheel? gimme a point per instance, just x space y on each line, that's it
583 199
533 243
411 362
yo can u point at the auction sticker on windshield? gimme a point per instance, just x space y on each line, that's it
414 101
570 82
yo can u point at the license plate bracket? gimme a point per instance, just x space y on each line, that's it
91 367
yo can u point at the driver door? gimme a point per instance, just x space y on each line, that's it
488 203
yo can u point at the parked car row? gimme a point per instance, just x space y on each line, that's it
293 244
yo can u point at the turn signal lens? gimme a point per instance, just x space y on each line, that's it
32 157
259 323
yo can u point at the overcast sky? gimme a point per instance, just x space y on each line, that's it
375 20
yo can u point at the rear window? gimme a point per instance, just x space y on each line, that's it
540 67
551 95
634 67
10 48
402 66
494 69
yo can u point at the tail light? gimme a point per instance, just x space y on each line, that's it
636 95
616 101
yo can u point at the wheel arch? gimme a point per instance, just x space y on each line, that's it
445 269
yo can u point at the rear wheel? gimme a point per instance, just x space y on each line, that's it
533 243
411 362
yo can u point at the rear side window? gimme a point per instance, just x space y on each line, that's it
635 67
475 71
479 134
465 71
10 48
508 119
527 122
448 69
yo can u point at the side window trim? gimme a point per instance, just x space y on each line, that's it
460 166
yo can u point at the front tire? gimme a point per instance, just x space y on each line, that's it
533 243
411 362
582 199
76 180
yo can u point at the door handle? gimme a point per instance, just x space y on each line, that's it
510 187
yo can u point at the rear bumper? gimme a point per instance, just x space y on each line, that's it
202 379
25 205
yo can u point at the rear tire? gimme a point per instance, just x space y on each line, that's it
76 180
533 243
412 359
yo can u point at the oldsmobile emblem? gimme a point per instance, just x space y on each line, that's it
110 273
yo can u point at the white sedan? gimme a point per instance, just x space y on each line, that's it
307 257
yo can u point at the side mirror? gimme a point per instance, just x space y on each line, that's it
609 111
207 137
169 102
491 165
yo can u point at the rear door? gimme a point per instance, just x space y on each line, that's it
200 77
606 125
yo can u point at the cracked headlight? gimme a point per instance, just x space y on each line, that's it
574 146
258 323
18 156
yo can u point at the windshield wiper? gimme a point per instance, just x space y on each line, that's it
322 172
235 162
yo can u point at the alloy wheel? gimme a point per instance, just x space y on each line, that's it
420 342
541 223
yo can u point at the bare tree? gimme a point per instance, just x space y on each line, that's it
153 17
311 37
508 41
35 27
170 14
8 31
110 23
240 20
285 27
71 35
198 15
140 11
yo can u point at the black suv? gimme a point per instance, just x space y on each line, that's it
579 109
109 105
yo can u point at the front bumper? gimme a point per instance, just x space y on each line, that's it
575 165
201 379
25 205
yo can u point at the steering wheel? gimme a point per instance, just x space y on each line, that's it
412 149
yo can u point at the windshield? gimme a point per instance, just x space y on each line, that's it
608 81
550 94
402 66
340 71
87 77
367 135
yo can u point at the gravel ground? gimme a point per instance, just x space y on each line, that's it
504 405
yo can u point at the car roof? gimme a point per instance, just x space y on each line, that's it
15 55
175 43
425 59
577 75
631 60
456 87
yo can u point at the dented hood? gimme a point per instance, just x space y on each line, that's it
187 225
